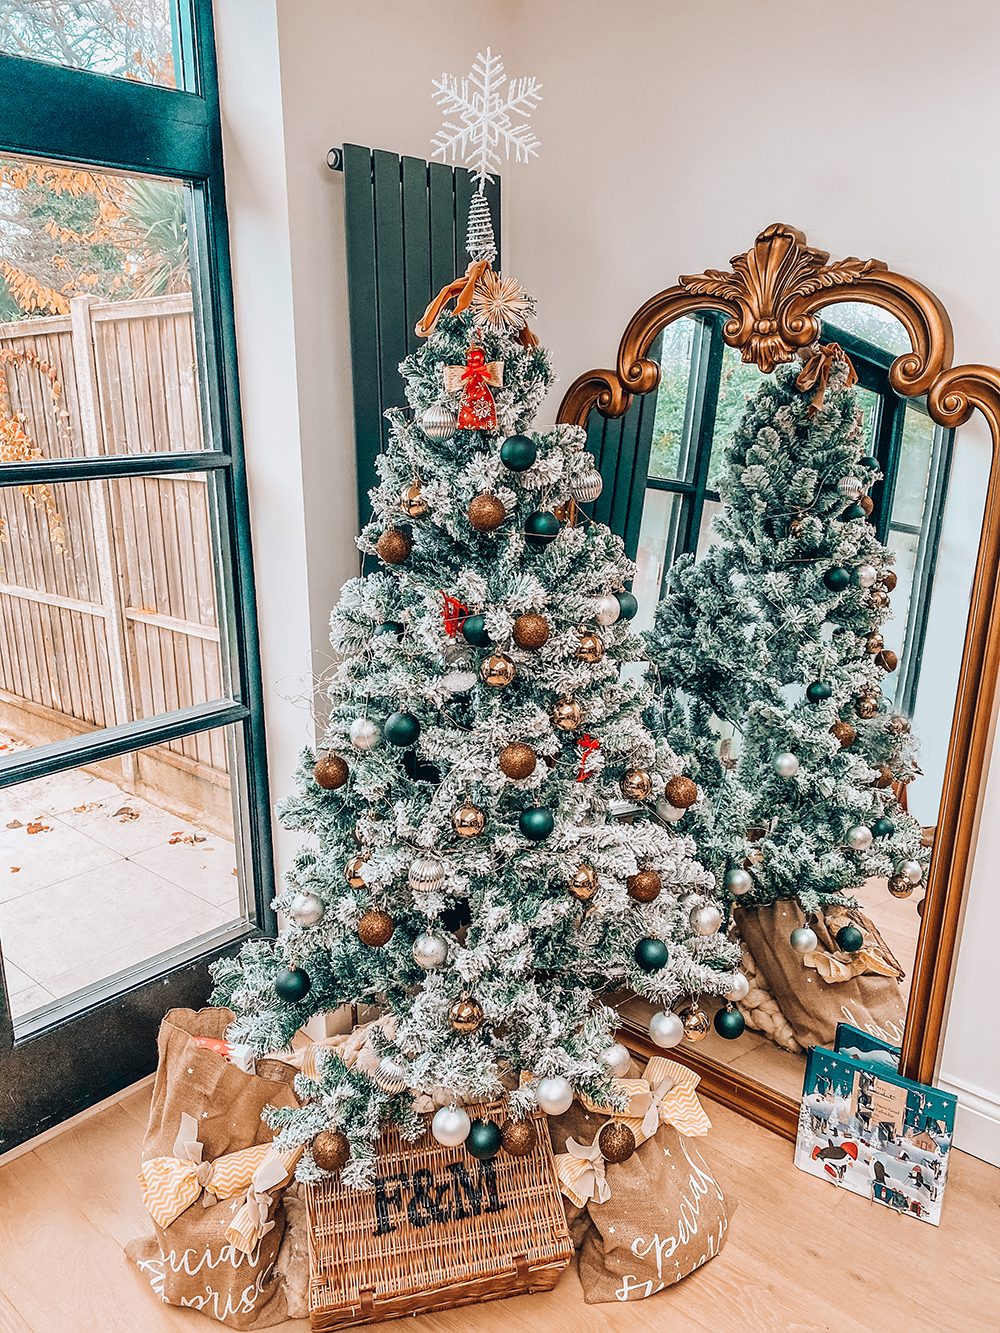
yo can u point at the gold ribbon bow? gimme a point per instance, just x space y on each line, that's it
251 1223
171 1184
815 374
580 1172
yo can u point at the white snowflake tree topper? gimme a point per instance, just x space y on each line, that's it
486 117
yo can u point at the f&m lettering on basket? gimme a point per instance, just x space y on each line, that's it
431 1201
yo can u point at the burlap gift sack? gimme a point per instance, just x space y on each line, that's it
191 1262
664 1215
818 990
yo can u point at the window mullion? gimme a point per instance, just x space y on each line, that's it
706 381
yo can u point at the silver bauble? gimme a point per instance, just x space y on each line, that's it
430 950
306 909
439 422
786 764
666 1029
607 609
859 838
866 575
740 991
851 487
911 870
803 939
555 1095
365 734
451 1126
737 881
426 874
616 1060
389 1076
587 487
669 813
705 920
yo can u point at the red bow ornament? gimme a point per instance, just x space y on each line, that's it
588 745
453 613
478 411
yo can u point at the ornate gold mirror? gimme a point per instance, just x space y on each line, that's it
781 297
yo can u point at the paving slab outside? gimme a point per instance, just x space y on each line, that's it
94 880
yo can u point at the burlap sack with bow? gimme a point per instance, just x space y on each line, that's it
210 1180
653 1219
818 990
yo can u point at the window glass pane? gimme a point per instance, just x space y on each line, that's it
916 451
740 382
906 546
707 535
108 607
870 404
98 347
671 399
129 38
869 322
104 867
661 517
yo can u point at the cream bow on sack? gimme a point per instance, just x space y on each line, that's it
251 1222
580 1172
665 1095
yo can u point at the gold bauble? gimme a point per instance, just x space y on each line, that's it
644 886
887 660
636 785
518 1137
331 1150
696 1025
878 598
795 527
866 706
885 778
376 928
567 714
867 504
394 546
331 772
530 630
583 885
681 792
486 513
875 643
352 871
465 1015
468 820
888 580
844 733
412 502
517 760
591 648
900 886
897 725
497 670
616 1142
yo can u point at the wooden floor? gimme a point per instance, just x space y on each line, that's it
801 1255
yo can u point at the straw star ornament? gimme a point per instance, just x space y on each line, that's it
501 304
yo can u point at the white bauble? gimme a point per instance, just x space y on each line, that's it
737 881
740 991
786 764
306 909
426 874
430 950
616 1060
803 939
866 575
365 734
458 682
587 487
607 609
451 1126
705 920
555 1095
666 1029
859 838
669 813
911 870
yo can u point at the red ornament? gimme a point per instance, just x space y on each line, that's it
453 614
477 411
588 745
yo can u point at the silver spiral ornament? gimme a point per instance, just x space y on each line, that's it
439 422
587 487
851 487
426 874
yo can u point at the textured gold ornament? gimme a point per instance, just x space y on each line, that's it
897 725
900 886
866 706
878 598
681 792
867 504
888 580
874 643
468 820
583 885
616 1142
331 1150
844 733
644 886
352 871
486 513
636 785
518 1137
567 714
466 1015
531 630
517 760
394 546
887 660
500 304
412 502
885 778
376 928
331 772
497 670
696 1025
591 648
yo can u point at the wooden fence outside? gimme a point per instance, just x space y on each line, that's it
124 623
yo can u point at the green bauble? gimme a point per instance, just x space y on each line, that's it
866 460
518 453
730 1023
474 631
651 955
818 691
628 604
292 985
537 823
484 1138
541 527
849 939
837 578
401 729
389 627
851 513
883 828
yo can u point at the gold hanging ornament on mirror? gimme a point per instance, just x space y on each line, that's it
696 1024
636 785
412 502
468 820
591 648
866 706
497 671
466 1015
583 885
567 714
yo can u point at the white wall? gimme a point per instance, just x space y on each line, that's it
672 133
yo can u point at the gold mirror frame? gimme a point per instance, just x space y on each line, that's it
771 298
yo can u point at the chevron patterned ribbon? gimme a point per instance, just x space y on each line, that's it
665 1095
580 1172
251 1223
171 1184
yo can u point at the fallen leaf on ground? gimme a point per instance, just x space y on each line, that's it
15 823
83 809
14 869
126 812
39 828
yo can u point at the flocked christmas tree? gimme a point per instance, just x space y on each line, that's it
770 660
470 877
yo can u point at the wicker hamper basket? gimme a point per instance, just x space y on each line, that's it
438 1229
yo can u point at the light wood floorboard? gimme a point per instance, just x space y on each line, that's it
802 1257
